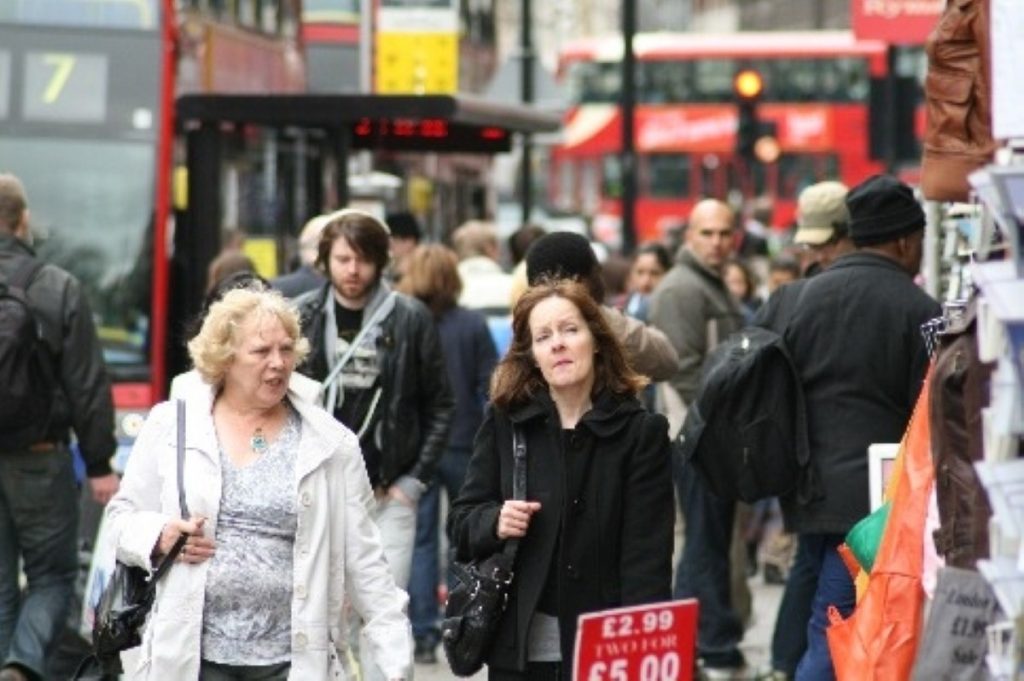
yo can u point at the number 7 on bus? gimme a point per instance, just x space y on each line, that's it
639 643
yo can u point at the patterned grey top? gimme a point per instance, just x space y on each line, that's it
247 617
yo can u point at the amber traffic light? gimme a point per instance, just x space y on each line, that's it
748 84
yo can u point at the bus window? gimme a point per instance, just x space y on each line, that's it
589 195
138 14
665 82
667 176
594 82
799 171
713 80
331 11
611 177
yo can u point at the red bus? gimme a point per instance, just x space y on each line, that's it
821 89
87 90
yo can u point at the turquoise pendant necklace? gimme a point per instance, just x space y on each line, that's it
258 441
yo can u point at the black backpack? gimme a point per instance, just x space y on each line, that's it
26 376
746 432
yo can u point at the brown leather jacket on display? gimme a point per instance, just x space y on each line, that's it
959 391
958 92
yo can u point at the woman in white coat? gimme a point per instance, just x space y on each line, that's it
279 536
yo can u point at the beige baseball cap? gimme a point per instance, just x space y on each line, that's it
819 209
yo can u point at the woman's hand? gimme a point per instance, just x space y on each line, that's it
197 548
514 518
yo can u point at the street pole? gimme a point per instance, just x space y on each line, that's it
627 161
526 58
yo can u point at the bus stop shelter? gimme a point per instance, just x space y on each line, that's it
214 128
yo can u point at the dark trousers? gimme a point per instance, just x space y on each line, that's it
39 525
789 640
424 612
535 671
212 671
704 567
834 588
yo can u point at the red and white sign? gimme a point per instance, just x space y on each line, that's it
900 22
642 643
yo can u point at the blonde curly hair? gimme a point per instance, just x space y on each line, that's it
213 348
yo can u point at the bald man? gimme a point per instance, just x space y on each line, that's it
694 308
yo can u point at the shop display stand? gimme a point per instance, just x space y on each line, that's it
1000 288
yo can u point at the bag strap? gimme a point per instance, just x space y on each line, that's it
518 480
168 560
24 275
518 463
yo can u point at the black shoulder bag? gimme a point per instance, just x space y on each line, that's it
478 600
128 596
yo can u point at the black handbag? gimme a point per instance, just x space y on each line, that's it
477 602
128 596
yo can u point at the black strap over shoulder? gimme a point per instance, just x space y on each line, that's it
24 275
519 463
518 479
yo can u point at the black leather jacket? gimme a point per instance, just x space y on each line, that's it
418 401
83 400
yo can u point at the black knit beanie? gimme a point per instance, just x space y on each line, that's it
882 209
560 255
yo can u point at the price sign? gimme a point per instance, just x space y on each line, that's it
642 643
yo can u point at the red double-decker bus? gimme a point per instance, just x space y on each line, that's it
824 91
87 92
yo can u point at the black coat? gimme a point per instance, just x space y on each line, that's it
417 398
855 337
82 401
606 513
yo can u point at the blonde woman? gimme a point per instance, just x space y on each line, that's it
279 535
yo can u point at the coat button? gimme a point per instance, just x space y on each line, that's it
300 591
572 571
577 505
306 499
300 641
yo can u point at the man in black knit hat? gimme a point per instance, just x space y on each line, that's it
568 255
855 338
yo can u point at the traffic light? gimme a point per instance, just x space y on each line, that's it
747 87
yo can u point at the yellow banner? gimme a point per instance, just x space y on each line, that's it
417 63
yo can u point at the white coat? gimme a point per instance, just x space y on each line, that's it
337 554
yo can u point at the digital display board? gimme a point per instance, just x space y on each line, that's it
65 86
428 134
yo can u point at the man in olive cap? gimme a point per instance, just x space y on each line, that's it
854 336
823 225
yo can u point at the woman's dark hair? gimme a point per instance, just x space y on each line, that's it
517 378
659 252
432 275
367 236
748 275
521 239
240 279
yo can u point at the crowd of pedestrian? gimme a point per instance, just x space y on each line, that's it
330 410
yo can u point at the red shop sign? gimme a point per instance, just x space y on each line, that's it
641 643
900 22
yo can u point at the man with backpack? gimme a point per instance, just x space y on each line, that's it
853 332
52 380
696 311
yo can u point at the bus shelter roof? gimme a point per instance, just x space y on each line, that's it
381 121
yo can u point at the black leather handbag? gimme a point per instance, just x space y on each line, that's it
128 596
478 599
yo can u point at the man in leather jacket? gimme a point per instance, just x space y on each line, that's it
386 378
38 490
